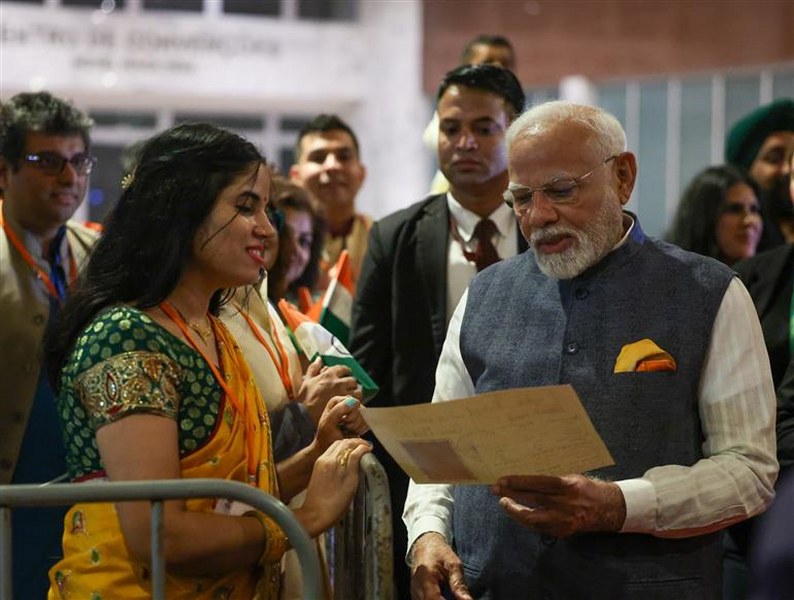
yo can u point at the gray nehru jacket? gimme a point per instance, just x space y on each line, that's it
522 328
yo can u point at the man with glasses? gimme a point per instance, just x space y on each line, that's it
45 162
420 259
665 351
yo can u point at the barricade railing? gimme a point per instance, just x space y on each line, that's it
156 492
360 547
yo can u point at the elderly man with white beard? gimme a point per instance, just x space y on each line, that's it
665 351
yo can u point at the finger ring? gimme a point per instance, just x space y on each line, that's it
344 457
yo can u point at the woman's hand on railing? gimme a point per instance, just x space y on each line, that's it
341 418
333 483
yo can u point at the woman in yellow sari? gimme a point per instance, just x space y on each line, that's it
152 385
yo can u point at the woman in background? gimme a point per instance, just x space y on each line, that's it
719 215
306 229
152 386
278 247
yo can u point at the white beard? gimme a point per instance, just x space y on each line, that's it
590 245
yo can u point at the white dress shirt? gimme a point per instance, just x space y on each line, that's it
460 270
737 411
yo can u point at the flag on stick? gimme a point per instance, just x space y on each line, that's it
335 309
315 340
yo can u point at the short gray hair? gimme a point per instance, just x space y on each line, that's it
609 139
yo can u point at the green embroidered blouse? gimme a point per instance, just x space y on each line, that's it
125 363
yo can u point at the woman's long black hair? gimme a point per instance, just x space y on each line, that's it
695 224
148 236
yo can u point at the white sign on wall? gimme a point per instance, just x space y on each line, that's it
368 71
178 54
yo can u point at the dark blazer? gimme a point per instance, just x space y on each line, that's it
400 313
769 277
399 325
399 316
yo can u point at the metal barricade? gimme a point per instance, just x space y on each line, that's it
360 547
156 492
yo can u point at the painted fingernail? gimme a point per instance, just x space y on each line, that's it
351 401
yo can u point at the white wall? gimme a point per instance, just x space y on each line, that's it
393 117
367 71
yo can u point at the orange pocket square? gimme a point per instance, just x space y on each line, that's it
643 355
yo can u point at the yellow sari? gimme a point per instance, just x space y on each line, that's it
96 563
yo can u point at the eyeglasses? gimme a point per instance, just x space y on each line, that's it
276 217
52 163
561 190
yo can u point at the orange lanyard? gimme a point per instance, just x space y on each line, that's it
282 362
41 274
250 427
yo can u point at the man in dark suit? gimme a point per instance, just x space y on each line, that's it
420 259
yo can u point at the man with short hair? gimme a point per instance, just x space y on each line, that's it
665 351
421 259
45 161
487 49
762 143
328 164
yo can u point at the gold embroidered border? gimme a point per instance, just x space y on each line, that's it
139 381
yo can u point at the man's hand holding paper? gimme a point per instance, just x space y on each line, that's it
562 506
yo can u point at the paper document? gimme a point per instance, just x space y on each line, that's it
527 431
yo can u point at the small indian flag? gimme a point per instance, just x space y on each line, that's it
334 311
315 340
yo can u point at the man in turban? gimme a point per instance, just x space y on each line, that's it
762 143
